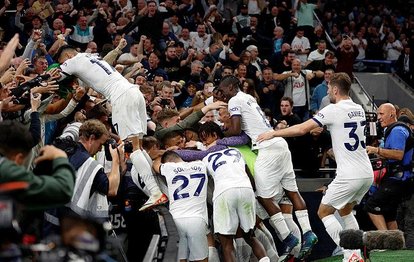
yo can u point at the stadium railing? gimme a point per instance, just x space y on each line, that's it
165 247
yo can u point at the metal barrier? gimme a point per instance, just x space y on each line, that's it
367 95
164 248
328 37
152 250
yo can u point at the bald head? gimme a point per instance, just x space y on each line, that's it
387 114
389 108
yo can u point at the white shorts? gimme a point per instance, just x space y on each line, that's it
129 114
279 199
232 208
344 191
261 211
273 168
193 238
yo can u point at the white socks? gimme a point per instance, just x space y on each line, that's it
278 222
303 219
145 172
351 255
267 244
264 259
293 227
269 236
350 221
213 255
333 227
243 250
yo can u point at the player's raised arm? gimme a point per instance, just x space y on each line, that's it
296 130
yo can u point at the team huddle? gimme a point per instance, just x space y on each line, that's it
242 195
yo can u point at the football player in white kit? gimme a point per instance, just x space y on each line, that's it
354 175
234 202
129 115
273 166
187 190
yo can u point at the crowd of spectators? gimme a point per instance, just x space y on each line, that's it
178 51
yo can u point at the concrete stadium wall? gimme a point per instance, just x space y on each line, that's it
387 88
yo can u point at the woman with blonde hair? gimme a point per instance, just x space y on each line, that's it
406 111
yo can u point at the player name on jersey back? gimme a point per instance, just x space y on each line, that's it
187 188
227 168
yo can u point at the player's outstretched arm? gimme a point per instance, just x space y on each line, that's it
296 130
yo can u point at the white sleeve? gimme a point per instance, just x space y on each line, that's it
234 107
164 169
69 67
326 116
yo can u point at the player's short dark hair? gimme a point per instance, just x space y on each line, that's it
171 135
230 81
342 81
169 156
62 50
14 138
148 142
209 129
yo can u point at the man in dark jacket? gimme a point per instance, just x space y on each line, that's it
53 188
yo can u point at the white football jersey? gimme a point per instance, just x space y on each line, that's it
253 120
187 188
346 122
227 168
97 74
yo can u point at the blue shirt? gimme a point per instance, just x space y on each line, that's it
397 140
319 93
